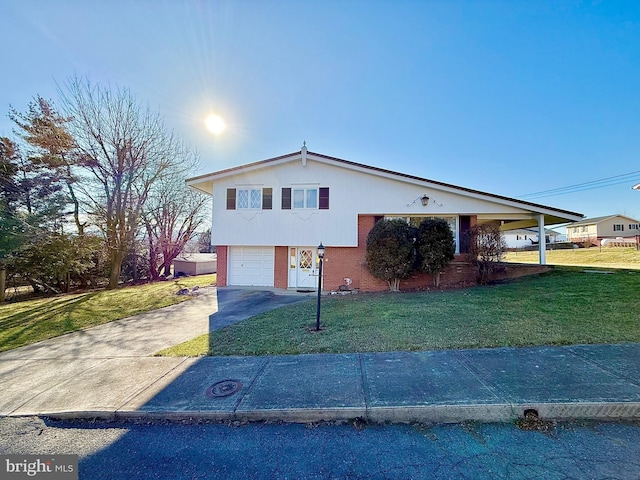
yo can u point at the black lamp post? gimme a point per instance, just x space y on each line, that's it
320 256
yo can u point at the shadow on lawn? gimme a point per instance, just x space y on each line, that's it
38 318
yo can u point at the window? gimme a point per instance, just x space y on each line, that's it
305 198
583 228
634 226
416 221
618 227
249 198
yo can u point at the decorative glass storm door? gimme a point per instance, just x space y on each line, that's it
307 270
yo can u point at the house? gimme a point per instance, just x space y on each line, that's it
269 216
525 237
594 230
195 264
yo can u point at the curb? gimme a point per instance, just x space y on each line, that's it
497 413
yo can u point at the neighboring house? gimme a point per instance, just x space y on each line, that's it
525 237
195 264
594 230
269 217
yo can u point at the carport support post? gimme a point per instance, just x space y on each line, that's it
542 240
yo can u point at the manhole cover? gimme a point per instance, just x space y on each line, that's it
223 388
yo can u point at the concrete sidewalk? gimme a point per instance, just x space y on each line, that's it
585 381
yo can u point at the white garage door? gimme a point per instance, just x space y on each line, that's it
251 266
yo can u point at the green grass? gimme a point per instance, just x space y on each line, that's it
29 321
565 306
607 257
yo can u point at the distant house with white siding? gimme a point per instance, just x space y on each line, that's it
525 237
596 229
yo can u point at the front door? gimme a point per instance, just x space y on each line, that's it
306 268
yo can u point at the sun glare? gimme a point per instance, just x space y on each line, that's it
215 124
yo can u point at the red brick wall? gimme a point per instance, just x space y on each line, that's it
281 268
516 270
349 262
221 278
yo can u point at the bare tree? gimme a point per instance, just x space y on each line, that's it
125 149
172 215
486 249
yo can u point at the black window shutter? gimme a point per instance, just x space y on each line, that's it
286 198
231 198
324 198
267 198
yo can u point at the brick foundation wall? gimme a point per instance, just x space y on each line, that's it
221 275
517 270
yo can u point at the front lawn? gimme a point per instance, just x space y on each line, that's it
30 321
565 306
605 257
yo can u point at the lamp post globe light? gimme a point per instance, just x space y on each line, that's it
320 257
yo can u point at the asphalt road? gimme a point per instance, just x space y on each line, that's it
585 450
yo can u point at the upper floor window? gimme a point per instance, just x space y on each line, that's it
249 198
634 226
618 227
305 198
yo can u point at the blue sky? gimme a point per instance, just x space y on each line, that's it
508 97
